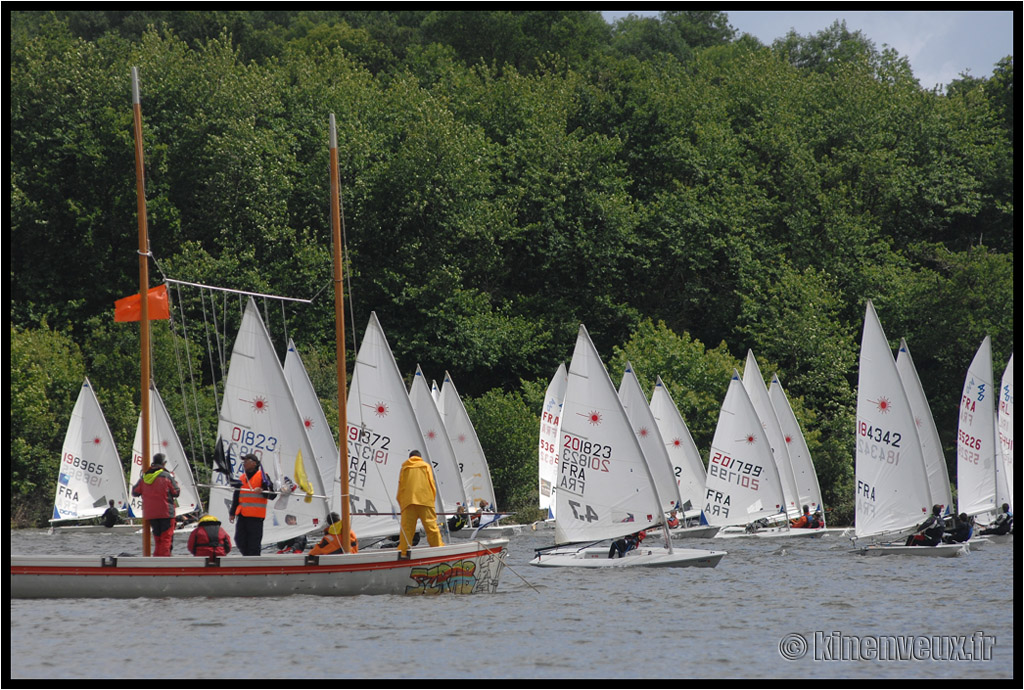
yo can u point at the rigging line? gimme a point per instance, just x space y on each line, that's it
238 292
192 380
209 345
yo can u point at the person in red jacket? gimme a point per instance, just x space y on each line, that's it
158 489
209 538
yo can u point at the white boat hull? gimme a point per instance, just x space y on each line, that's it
699 532
120 528
453 569
938 551
769 533
597 557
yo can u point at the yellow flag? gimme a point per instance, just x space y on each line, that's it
301 479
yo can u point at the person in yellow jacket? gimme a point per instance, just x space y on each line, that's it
416 496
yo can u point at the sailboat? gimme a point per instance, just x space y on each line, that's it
460 569
928 434
893 495
980 475
321 439
605 487
164 439
437 445
691 476
90 474
476 475
744 494
761 400
547 448
1005 414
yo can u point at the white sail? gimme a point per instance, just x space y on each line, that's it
90 473
638 410
807 485
437 445
691 476
163 439
1005 415
743 482
476 476
321 438
258 415
547 449
892 486
976 438
382 431
931 445
753 382
605 489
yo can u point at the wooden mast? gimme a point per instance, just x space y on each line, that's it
140 191
339 326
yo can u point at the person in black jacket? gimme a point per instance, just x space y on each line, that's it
929 532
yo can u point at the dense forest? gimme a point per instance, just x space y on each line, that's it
686 192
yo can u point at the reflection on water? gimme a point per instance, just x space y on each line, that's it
544 623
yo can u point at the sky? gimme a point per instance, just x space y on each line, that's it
939 45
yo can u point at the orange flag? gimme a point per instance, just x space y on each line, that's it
130 308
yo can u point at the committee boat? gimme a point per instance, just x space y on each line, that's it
464 568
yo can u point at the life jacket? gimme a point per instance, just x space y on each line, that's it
208 539
331 543
673 522
251 501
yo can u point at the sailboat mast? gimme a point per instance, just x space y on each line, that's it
339 326
140 191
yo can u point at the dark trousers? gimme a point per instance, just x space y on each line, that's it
248 535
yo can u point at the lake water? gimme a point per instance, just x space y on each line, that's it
804 609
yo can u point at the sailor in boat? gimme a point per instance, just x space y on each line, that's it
802 522
929 532
960 531
626 544
331 543
417 493
459 520
209 538
672 520
158 489
484 505
817 520
1003 523
110 516
249 505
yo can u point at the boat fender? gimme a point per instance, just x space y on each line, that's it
312 560
109 562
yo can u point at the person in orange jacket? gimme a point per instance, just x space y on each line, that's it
803 521
331 543
253 489
417 493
